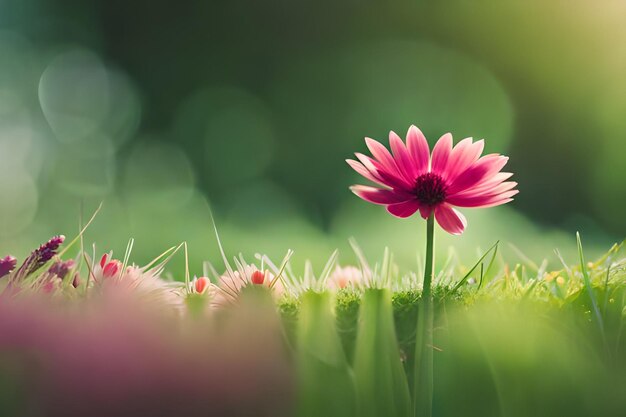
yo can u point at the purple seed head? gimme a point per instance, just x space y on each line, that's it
40 256
7 264
49 249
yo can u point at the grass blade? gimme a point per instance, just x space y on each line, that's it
382 388
588 287
326 385
466 276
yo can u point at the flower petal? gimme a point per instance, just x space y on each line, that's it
451 220
482 170
360 168
405 209
425 211
487 183
403 159
379 171
486 191
383 156
482 200
463 155
441 154
418 149
378 195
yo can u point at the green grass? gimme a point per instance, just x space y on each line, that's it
511 340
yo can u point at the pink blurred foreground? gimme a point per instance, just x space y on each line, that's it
113 355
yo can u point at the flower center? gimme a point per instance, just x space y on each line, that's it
430 189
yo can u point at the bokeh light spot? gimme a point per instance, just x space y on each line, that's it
74 94
239 138
158 175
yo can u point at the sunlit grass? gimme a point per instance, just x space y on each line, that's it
509 339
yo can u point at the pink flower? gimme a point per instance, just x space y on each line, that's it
346 276
230 284
412 179
201 284
109 268
144 283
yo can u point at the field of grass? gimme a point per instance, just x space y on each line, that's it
510 340
507 339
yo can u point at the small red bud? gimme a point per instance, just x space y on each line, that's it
257 277
201 285
112 268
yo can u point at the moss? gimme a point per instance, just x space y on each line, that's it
347 306
289 310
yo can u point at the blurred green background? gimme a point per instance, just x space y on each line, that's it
162 109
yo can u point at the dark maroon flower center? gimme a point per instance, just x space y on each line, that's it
430 189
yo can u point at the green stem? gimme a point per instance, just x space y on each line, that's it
423 373
429 269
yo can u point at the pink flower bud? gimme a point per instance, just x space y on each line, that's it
257 277
201 285
112 268
76 280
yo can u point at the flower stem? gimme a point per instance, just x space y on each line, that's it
429 269
423 373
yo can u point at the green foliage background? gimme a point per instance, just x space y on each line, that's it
162 110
